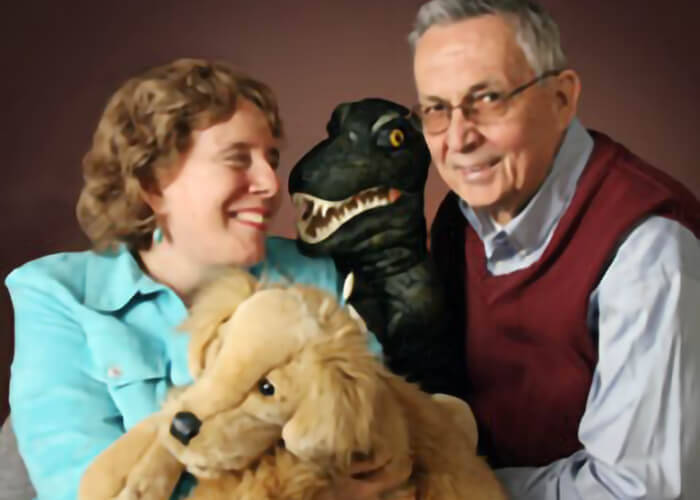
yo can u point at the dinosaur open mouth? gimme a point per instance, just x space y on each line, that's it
319 218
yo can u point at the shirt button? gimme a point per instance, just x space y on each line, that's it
501 238
114 372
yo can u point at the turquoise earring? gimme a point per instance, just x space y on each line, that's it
157 235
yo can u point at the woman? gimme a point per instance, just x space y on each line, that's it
180 183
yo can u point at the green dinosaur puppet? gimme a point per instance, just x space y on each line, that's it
360 197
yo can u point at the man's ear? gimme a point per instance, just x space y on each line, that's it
566 92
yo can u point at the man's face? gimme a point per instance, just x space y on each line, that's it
498 165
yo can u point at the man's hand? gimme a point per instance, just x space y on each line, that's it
369 481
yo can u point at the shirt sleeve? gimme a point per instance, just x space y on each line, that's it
63 417
641 426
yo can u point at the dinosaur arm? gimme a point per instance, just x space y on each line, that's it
419 342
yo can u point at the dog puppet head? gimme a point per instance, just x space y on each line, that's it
285 363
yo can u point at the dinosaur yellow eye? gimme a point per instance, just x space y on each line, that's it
396 137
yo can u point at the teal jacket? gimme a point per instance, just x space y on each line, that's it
96 351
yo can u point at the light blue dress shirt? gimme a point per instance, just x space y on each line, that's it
641 426
96 351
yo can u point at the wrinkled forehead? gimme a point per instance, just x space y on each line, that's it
467 53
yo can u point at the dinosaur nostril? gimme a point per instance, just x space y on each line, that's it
185 426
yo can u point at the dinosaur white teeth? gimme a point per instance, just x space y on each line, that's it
321 218
308 209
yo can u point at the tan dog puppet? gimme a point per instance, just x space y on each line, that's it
286 396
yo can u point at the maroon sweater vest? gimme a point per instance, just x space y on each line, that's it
529 354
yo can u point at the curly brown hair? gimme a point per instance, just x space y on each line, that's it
145 127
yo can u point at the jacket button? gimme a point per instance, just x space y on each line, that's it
114 372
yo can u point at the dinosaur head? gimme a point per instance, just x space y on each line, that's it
361 188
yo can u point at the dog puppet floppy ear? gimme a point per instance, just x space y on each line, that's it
213 305
264 332
334 419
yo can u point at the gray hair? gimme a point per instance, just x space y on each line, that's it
536 32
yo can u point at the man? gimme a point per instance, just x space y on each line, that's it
578 297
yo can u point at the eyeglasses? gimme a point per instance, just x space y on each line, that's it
481 107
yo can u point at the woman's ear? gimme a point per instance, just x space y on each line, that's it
152 195
334 420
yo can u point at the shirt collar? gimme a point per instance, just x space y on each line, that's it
531 227
113 278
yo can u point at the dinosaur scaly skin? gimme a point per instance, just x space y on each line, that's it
360 198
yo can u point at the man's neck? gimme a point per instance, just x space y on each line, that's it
509 209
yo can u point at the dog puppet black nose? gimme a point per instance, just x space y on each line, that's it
185 426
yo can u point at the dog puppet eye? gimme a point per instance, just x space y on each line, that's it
266 388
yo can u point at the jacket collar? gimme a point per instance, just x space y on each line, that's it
113 278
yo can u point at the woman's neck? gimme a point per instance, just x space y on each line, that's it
162 263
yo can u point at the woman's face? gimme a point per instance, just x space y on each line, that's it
217 205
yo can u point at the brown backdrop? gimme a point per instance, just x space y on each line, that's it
60 60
